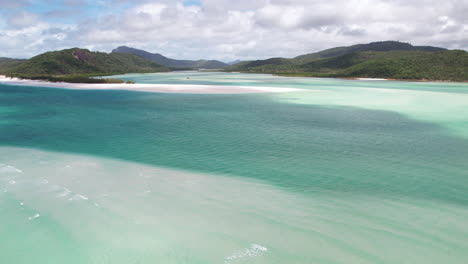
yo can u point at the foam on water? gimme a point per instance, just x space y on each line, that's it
78 197
4 168
254 250
34 216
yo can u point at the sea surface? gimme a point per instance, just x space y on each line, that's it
343 171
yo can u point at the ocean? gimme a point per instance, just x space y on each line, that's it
343 171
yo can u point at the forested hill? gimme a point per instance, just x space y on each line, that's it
8 64
387 59
373 46
82 61
171 63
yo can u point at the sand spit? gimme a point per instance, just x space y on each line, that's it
372 79
157 88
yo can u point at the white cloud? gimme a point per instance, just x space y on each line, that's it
13 3
22 19
246 29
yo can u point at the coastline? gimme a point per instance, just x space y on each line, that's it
350 78
393 79
155 88
365 78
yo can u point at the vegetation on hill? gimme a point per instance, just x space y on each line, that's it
446 65
7 64
78 65
388 59
82 61
172 63
373 46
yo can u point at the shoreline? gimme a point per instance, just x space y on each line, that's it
360 78
155 88
393 79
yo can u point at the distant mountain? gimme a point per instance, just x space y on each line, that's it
233 62
172 63
83 61
388 59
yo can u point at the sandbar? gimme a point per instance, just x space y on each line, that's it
157 88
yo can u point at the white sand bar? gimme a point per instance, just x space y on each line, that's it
157 88
371 79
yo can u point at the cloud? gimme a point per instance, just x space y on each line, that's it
227 30
22 19
355 32
300 16
13 3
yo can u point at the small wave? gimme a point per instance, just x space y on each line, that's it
72 196
44 181
4 168
254 250
78 197
34 216
64 193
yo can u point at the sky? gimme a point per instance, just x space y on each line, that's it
226 29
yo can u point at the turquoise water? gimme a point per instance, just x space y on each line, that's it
341 172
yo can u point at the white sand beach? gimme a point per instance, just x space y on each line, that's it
157 88
371 79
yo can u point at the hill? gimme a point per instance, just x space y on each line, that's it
7 64
233 62
449 65
373 46
388 59
171 63
78 65
82 61
288 65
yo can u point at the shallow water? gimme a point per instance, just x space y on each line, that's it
343 172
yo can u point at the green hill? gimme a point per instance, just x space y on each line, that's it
373 46
291 65
388 59
445 65
172 63
7 64
82 61
335 64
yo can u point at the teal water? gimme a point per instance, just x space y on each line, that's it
341 172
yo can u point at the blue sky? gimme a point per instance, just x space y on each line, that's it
65 11
226 29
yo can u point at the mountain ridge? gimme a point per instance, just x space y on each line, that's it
78 65
393 59
83 61
171 63
389 45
